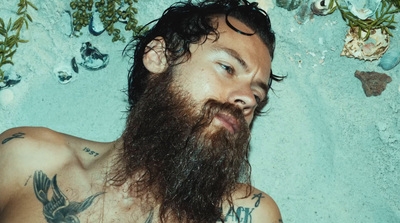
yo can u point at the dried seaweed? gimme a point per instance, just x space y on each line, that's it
10 34
111 11
384 18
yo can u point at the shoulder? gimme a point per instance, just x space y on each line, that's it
27 149
252 205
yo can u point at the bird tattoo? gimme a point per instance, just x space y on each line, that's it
59 209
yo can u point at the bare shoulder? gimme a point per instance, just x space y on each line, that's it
24 150
252 205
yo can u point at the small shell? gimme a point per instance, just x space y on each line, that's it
390 59
96 26
363 9
321 7
92 58
289 4
64 74
372 49
10 80
304 13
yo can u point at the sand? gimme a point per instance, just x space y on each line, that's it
324 151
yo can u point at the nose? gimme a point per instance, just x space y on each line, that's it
243 98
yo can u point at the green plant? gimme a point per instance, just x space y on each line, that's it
384 18
110 12
10 34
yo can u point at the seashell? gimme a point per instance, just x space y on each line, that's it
321 7
74 65
363 9
371 49
289 4
303 14
10 80
390 59
96 27
71 31
64 74
92 58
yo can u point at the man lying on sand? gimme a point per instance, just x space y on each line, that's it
199 77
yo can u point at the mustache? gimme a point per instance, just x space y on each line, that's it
212 107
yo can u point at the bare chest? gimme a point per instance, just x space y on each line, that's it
91 209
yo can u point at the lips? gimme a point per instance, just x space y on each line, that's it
229 122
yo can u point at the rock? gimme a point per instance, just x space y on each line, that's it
373 83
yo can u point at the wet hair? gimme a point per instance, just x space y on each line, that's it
186 23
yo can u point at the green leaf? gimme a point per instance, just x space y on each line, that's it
18 24
9 25
19 12
26 23
2 23
12 54
32 5
3 32
29 17
11 41
23 41
8 62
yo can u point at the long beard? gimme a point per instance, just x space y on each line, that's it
187 165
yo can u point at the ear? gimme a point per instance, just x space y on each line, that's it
154 58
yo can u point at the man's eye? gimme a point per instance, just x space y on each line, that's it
258 99
228 69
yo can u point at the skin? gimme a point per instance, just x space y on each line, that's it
81 165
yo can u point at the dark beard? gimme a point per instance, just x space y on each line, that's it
187 165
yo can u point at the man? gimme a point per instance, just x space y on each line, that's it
199 76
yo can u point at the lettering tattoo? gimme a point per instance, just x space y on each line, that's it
18 135
241 215
150 217
90 152
244 214
59 209
26 183
258 196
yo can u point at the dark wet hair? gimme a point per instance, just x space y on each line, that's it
186 23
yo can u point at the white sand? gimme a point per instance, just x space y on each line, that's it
325 152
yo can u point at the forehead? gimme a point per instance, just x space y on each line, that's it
251 49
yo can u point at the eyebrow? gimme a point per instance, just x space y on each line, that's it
232 53
236 56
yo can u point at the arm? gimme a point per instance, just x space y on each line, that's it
22 151
259 207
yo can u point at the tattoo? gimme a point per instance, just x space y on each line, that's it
150 217
280 221
59 209
241 215
258 196
26 182
90 152
18 135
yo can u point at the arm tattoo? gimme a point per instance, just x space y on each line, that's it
258 196
59 209
240 215
18 135
26 183
90 152
150 217
244 214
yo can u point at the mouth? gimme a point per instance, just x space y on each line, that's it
229 122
